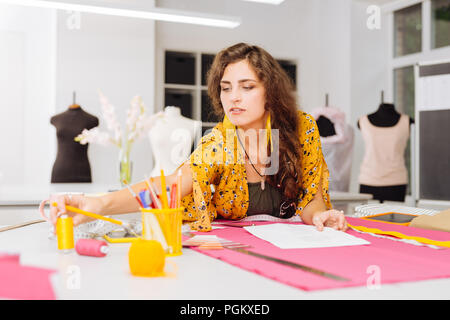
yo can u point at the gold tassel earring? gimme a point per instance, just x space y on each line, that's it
269 132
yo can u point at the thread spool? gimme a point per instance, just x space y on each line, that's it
146 258
64 233
91 247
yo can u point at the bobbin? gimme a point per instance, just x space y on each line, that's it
92 247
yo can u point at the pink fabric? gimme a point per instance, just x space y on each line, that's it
396 261
23 282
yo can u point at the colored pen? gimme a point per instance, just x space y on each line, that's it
153 196
173 196
163 191
151 199
126 225
178 189
142 197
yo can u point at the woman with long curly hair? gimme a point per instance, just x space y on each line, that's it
265 156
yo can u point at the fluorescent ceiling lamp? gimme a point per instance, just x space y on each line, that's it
277 2
167 15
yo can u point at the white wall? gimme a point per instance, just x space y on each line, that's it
314 33
114 55
335 51
369 75
27 42
43 62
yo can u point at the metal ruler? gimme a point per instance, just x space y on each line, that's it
292 264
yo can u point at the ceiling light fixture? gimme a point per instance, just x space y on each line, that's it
167 15
276 2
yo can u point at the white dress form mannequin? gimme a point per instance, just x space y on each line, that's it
171 140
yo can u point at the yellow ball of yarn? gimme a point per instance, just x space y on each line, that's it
146 258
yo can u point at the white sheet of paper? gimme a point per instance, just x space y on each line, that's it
294 236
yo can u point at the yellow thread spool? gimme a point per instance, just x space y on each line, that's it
146 258
170 221
64 233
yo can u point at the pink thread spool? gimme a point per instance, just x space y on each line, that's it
91 247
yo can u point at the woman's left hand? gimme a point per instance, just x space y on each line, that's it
331 218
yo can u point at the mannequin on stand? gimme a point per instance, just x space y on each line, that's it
171 140
325 125
336 137
72 163
383 171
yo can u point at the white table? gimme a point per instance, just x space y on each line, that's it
198 276
15 200
31 195
19 195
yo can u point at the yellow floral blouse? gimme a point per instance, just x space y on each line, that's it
220 179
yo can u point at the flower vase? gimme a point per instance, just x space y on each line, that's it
125 166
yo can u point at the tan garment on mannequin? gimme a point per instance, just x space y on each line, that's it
384 163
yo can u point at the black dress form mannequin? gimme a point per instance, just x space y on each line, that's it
72 164
385 116
325 126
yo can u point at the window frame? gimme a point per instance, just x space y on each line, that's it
428 54
197 88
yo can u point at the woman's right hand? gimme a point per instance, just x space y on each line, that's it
91 204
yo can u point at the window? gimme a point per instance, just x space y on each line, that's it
185 85
180 68
411 45
180 98
290 68
404 90
440 23
404 100
207 60
207 114
408 30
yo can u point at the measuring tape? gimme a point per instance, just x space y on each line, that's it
399 235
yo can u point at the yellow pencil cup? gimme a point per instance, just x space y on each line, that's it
163 225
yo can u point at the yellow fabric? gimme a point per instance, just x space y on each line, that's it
401 236
218 161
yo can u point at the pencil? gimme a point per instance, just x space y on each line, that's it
153 195
90 214
173 196
163 191
178 189
152 201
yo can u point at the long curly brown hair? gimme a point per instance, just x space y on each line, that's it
280 103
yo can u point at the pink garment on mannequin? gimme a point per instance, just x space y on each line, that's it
337 149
